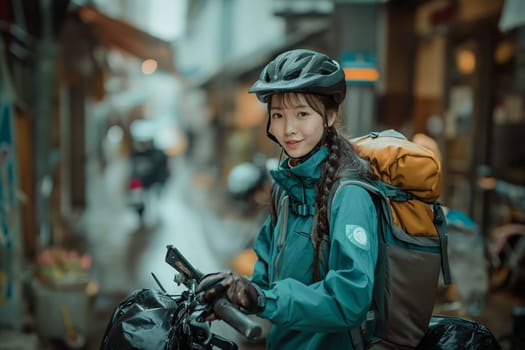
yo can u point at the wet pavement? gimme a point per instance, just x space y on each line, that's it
126 250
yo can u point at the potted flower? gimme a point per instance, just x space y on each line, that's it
63 268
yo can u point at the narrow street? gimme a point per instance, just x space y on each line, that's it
86 84
126 252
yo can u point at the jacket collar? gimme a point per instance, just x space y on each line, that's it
300 180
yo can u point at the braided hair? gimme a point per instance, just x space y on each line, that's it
342 161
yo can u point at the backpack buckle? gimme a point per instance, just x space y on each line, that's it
302 209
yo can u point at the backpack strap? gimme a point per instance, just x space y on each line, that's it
280 200
399 195
440 223
277 193
357 338
301 209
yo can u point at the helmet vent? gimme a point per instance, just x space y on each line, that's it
292 75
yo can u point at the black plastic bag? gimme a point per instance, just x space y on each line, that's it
141 321
448 332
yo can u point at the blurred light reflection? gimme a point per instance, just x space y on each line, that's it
149 66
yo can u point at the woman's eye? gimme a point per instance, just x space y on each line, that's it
302 114
276 116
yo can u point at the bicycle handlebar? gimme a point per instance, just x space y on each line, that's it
222 307
237 319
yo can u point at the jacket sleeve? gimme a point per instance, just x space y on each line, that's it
262 247
342 299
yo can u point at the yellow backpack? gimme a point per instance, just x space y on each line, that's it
410 167
412 239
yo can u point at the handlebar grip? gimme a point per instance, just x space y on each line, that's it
237 319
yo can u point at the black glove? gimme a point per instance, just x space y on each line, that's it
239 291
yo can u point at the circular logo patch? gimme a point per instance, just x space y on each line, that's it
357 235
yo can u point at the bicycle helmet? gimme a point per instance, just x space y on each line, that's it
301 70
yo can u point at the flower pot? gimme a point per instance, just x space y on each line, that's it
60 310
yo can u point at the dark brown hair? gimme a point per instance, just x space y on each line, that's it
342 161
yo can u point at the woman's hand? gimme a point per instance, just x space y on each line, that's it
239 291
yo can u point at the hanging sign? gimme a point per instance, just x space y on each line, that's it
360 67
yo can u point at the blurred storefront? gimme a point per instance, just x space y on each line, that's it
466 91
29 31
56 70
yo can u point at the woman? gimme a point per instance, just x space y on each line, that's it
314 275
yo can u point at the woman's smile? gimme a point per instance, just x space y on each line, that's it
293 144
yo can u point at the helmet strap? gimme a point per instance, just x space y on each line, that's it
269 134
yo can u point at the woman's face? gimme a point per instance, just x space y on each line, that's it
295 124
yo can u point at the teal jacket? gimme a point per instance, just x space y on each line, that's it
318 315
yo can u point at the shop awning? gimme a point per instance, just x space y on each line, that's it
512 15
114 33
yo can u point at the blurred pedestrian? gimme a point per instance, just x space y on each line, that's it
249 185
314 275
